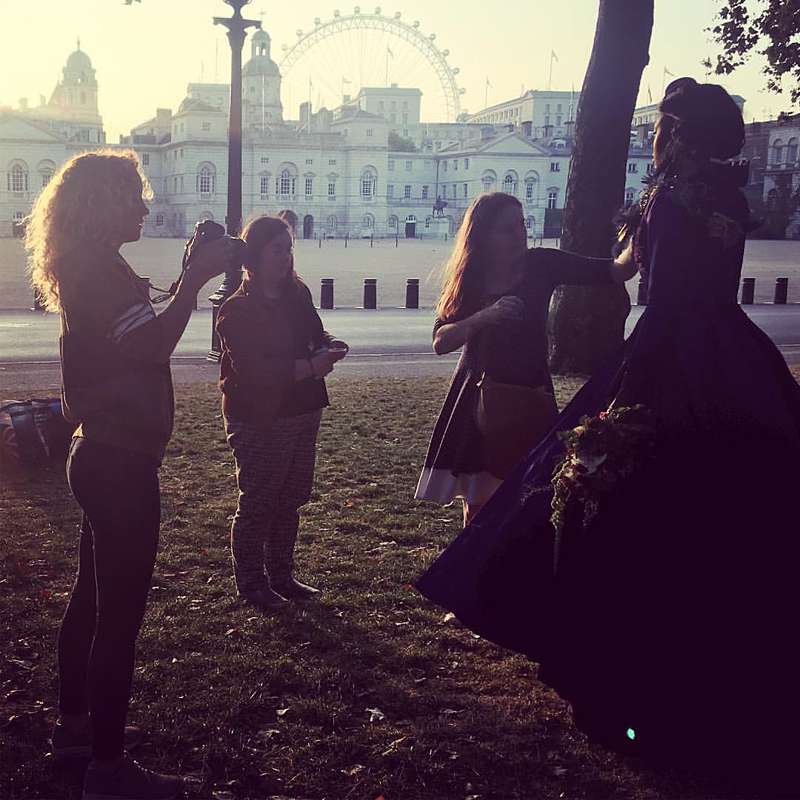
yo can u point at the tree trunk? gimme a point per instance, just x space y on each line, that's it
588 324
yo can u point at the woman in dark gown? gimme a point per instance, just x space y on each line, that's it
655 576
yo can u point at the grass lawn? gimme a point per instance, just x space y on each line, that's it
370 692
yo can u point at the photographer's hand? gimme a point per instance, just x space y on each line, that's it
208 261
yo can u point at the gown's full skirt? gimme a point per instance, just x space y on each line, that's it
669 622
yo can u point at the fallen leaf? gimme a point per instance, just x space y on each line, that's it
376 715
282 712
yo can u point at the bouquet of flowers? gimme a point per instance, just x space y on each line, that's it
600 452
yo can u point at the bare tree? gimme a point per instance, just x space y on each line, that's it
588 324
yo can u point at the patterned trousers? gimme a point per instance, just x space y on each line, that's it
275 474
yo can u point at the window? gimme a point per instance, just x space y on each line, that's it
466 191
466 163
791 151
455 164
175 184
444 165
530 190
409 166
407 191
332 189
558 121
264 159
405 119
530 223
206 126
309 162
331 162
264 186
181 182
367 186
18 179
390 190
145 159
393 223
488 181
630 196
510 184
547 121
159 220
309 187
633 168
424 192
205 179
331 224
286 184
777 151
46 177
555 166
558 108
552 198
368 221
369 132
390 165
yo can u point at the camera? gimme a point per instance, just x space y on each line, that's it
208 231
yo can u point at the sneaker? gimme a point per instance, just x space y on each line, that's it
68 744
266 599
129 781
295 590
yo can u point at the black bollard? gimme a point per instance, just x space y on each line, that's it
748 291
641 293
412 293
320 243
370 293
346 239
396 240
326 294
371 240
781 291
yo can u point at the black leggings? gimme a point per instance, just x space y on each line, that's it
118 492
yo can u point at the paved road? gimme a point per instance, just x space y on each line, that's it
29 337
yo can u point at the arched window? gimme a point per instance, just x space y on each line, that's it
369 182
368 221
332 186
309 185
530 224
552 198
791 151
488 180
777 151
285 184
510 182
206 179
18 177
332 224
630 196
392 223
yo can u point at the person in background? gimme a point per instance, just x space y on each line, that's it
494 305
117 388
275 356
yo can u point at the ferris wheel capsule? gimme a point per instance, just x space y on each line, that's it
445 53
337 13
456 70
432 37
397 15
416 23
357 10
317 21
378 11
299 33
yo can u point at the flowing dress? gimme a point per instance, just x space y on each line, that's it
513 353
667 617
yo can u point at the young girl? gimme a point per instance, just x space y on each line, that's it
494 303
275 355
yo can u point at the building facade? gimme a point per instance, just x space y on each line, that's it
368 168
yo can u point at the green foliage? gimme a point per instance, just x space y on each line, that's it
744 26
399 144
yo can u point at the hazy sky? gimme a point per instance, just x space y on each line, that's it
146 53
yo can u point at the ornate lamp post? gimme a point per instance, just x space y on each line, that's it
237 32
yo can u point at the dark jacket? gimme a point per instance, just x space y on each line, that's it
116 387
261 340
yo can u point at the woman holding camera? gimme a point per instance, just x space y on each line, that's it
275 356
117 389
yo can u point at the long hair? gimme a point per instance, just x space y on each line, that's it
83 201
462 282
257 234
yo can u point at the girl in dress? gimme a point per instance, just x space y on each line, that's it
664 497
494 305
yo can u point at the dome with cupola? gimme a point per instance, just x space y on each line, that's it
261 62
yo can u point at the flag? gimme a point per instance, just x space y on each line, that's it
389 52
649 95
488 85
554 56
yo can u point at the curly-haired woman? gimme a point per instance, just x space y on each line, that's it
117 389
